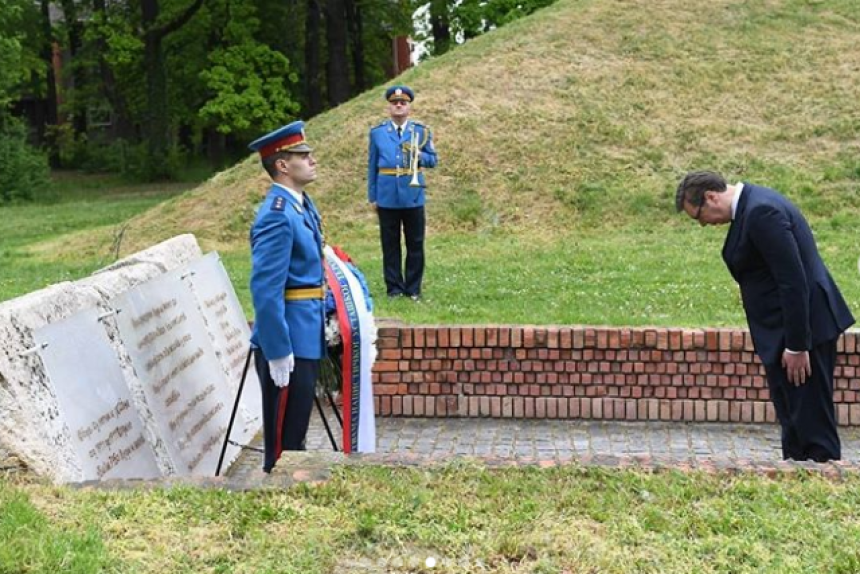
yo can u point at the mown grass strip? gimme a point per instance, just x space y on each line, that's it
30 542
470 519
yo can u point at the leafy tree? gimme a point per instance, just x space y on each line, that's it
248 83
156 127
461 20
22 168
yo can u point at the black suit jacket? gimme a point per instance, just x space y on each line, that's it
790 299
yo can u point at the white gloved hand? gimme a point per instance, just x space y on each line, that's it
280 370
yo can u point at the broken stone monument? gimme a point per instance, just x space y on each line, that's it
129 373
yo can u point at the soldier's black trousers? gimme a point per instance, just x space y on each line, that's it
286 412
412 222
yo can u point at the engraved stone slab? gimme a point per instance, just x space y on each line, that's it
181 377
231 336
94 400
31 426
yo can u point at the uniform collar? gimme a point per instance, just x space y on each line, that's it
404 126
295 194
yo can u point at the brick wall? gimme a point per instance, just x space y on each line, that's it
585 372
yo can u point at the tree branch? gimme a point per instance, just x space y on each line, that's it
178 22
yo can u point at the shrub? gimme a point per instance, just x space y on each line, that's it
23 169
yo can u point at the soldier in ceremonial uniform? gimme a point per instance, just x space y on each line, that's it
400 149
287 291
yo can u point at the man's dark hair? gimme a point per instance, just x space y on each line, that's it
695 184
269 163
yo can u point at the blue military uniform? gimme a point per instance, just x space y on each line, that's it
286 254
287 292
388 170
390 173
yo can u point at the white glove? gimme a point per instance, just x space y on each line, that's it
280 370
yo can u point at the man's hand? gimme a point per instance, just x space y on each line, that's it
373 205
797 367
280 370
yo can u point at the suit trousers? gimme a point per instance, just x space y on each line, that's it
287 411
412 222
806 413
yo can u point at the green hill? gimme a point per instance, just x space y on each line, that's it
585 114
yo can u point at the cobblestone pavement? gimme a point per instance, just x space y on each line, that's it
501 441
564 440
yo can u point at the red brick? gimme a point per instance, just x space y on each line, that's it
854 414
843 415
386 366
565 338
480 337
519 407
677 410
474 407
528 337
759 412
700 410
585 408
484 406
463 406
529 407
517 336
665 410
507 407
578 334
597 408
561 407
492 337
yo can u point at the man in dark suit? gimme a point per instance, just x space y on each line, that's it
794 309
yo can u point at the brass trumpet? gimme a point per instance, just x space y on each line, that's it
415 150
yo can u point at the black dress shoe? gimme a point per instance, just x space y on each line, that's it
395 295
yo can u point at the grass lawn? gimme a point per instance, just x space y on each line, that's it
469 519
669 274
560 139
76 203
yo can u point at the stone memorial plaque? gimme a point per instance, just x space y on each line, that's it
231 337
94 399
185 387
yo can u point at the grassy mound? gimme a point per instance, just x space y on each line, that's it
584 115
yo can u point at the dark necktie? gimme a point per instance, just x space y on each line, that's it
399 131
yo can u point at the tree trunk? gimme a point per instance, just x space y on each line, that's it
121 125
216 148
51 115
313 91
157 119
156 125
441 27
337 67
75 38
353 19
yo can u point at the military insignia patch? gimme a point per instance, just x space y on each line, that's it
278 204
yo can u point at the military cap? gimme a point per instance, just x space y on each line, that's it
290 138
399 94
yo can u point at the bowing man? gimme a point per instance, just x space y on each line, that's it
794 309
